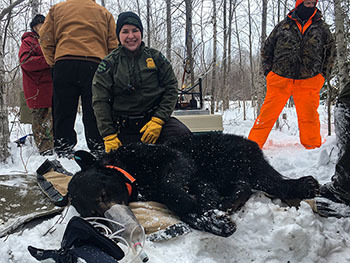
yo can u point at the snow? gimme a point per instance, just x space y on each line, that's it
267 230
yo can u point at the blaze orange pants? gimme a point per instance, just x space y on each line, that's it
306 95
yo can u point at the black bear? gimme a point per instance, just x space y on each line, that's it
202 178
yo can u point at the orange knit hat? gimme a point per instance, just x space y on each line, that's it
298 2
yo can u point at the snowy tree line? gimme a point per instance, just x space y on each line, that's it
216 40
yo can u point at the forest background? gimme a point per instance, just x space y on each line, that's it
218 41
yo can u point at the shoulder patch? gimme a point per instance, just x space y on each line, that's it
150 63
103 67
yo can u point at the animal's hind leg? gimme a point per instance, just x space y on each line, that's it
238 196
273 183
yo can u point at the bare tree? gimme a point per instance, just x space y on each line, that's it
261 80
35 7
189 60
4 124
168 29
203 24
148 19
250 25
225 95
213 83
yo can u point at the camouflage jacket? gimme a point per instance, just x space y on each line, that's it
126 84
291 54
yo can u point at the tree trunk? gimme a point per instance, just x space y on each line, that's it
213 83
168 29
4 124
189 40
225 95
285 7
148 23
261 79
231 10
138 8
251 63
203 42
35 7
240 63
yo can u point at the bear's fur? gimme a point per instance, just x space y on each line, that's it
194 176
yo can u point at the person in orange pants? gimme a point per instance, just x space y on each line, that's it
306 97
296 57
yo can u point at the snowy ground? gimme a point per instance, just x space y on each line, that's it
266 230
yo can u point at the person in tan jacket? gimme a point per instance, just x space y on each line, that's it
76 35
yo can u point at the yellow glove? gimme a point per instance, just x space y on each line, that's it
151 130
112 142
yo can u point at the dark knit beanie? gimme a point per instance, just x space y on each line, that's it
38 19
129 18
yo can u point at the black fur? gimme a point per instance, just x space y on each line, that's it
194 176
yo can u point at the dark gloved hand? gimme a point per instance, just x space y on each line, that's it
81 240
151 130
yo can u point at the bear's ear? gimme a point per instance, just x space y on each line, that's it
84 159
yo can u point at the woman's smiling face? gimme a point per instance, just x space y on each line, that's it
130 37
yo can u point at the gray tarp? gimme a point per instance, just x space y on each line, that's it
21 200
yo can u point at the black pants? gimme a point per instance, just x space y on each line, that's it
341 178
172 128
73 79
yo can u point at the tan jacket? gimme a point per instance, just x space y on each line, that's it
77 28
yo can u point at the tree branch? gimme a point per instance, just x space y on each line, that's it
9 8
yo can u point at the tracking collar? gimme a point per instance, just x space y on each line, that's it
126 174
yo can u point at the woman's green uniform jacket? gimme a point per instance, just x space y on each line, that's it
133 85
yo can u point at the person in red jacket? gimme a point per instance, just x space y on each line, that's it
37 86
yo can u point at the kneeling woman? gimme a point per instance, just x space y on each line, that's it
135 91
